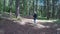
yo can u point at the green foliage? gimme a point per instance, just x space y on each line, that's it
27 6
58 22
42 18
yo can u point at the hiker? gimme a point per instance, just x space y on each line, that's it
35 17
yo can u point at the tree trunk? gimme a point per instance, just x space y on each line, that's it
33 6
53 12
4 5
48 9
17 8
45 7
10 7
36 4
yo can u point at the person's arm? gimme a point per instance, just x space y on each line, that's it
33 15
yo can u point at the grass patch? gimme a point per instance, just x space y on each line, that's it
41 18
58 21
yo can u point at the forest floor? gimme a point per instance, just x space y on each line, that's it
27 26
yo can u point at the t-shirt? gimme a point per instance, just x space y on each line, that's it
35 15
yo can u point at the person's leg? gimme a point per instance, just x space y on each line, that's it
35 20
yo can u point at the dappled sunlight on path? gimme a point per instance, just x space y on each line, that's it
38 21
26 26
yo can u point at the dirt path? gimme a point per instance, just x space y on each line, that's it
32 21
11 27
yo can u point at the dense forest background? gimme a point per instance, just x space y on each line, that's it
28 7
14 14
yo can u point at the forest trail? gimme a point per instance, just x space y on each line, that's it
26 26
37 21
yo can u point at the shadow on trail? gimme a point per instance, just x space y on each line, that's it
11 27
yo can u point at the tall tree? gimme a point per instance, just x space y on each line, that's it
17 8
1 5
48 13
4 5
10 4
54 2
33 6
10 7
36 4
45 6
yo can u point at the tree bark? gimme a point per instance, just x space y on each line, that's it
45 7
48 13
17 8
4 5
36 4
53 12
10 7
